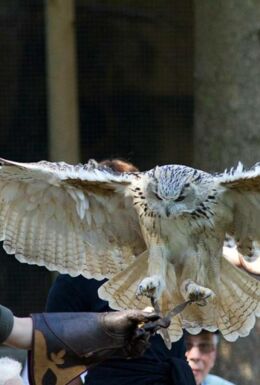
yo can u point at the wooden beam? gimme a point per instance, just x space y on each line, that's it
62 81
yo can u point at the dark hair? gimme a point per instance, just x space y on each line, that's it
119 165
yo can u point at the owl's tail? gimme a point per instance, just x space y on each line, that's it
120 292
234 308
232 311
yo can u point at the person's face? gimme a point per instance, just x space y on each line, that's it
201 354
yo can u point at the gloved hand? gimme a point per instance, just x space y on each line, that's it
66 344
97 336
126 328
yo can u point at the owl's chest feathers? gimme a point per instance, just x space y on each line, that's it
183 235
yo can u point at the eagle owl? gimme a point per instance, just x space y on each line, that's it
155 234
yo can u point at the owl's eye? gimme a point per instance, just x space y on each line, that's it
180 198
158 197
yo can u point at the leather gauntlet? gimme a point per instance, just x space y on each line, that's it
66 344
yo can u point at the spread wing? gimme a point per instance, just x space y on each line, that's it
242 194
74 219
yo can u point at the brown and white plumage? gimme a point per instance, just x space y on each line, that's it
70 219
160 232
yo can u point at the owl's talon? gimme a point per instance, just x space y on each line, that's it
151 287
201 302
196 293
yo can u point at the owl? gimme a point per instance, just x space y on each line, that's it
157 234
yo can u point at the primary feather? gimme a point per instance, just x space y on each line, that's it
160 232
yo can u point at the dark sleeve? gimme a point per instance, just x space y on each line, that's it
179 349
181 372
75 294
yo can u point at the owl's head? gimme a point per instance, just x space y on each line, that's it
173 190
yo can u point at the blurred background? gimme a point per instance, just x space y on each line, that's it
153 82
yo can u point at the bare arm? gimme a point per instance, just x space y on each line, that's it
21 334
15 331
237 259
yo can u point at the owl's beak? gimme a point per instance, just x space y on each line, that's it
167 212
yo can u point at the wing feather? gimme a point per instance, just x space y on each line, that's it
242 192
74 219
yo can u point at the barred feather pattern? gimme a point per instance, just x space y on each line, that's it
52 223
233 311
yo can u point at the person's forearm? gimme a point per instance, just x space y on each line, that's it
21 334
14 331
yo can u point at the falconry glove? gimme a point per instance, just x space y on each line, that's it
65 345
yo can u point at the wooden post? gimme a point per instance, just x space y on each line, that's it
62 81
227 116
227 92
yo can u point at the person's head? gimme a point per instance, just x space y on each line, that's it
119 165
201 352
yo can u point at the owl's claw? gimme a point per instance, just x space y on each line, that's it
196 293
151 287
